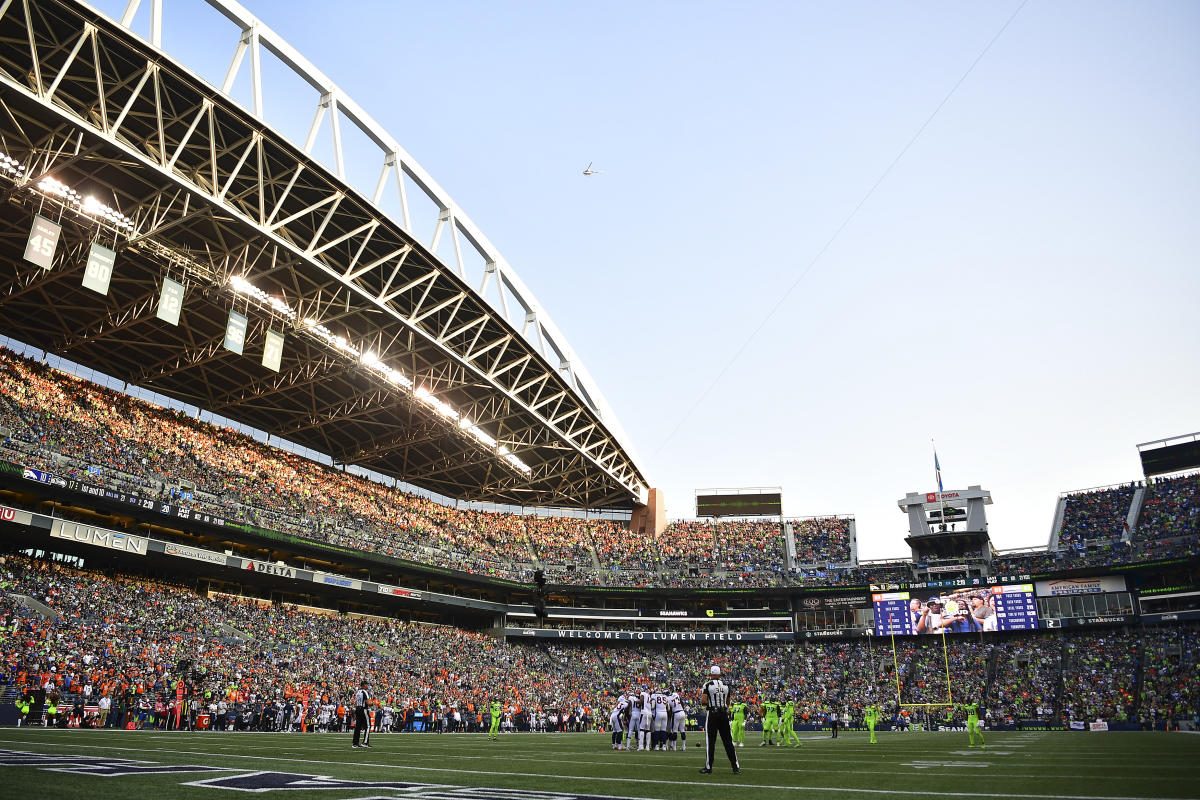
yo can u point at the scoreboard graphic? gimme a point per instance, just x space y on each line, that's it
978 609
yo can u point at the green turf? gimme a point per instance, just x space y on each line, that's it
902 765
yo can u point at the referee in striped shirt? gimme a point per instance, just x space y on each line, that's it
716 700
361 724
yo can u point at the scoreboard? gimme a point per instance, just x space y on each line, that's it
739 503
980 609
1016 609
892 615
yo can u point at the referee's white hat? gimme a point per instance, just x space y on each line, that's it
715 670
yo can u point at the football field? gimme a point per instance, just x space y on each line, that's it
149 765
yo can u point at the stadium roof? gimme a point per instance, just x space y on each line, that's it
394 359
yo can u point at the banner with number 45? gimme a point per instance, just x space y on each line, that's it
43 240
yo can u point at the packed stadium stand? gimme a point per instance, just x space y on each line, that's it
133 640
61 424
1096 517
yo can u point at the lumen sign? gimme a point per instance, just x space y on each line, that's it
99 537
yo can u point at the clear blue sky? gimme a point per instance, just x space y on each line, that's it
1023 285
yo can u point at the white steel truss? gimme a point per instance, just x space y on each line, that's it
213 186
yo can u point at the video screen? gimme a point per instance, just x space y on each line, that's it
975 609
739 505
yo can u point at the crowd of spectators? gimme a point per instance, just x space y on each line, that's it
686 544
1095 517
125 637
61 424
1025 683
134 640
64 425
822 540
1171 675
1100 676
1170 517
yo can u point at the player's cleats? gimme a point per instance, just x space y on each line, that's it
737 770
706 771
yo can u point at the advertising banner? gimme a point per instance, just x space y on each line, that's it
1076 622
682 637
396 591
268 568
1103 584
336 580
833 633
194 553
99 537
826 603
15 515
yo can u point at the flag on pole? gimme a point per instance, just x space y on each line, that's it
937 468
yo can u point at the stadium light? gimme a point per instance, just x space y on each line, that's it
83 204
370 360
10 165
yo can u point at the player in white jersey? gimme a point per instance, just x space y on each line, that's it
616 721
658 734
646 719
677 726
635 721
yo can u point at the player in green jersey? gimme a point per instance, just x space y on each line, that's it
787 725
770 715
871 716
739 724
497 709
973 728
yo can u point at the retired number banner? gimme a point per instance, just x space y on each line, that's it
43 240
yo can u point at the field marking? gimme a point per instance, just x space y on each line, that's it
607 779
1101 751
659 765
601 756
604 752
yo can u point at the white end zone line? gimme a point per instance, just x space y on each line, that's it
594 778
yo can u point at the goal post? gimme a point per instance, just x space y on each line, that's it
949 701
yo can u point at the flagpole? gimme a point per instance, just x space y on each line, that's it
937 472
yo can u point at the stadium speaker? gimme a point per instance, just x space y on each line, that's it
539 577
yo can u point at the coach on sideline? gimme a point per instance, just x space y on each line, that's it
716 700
